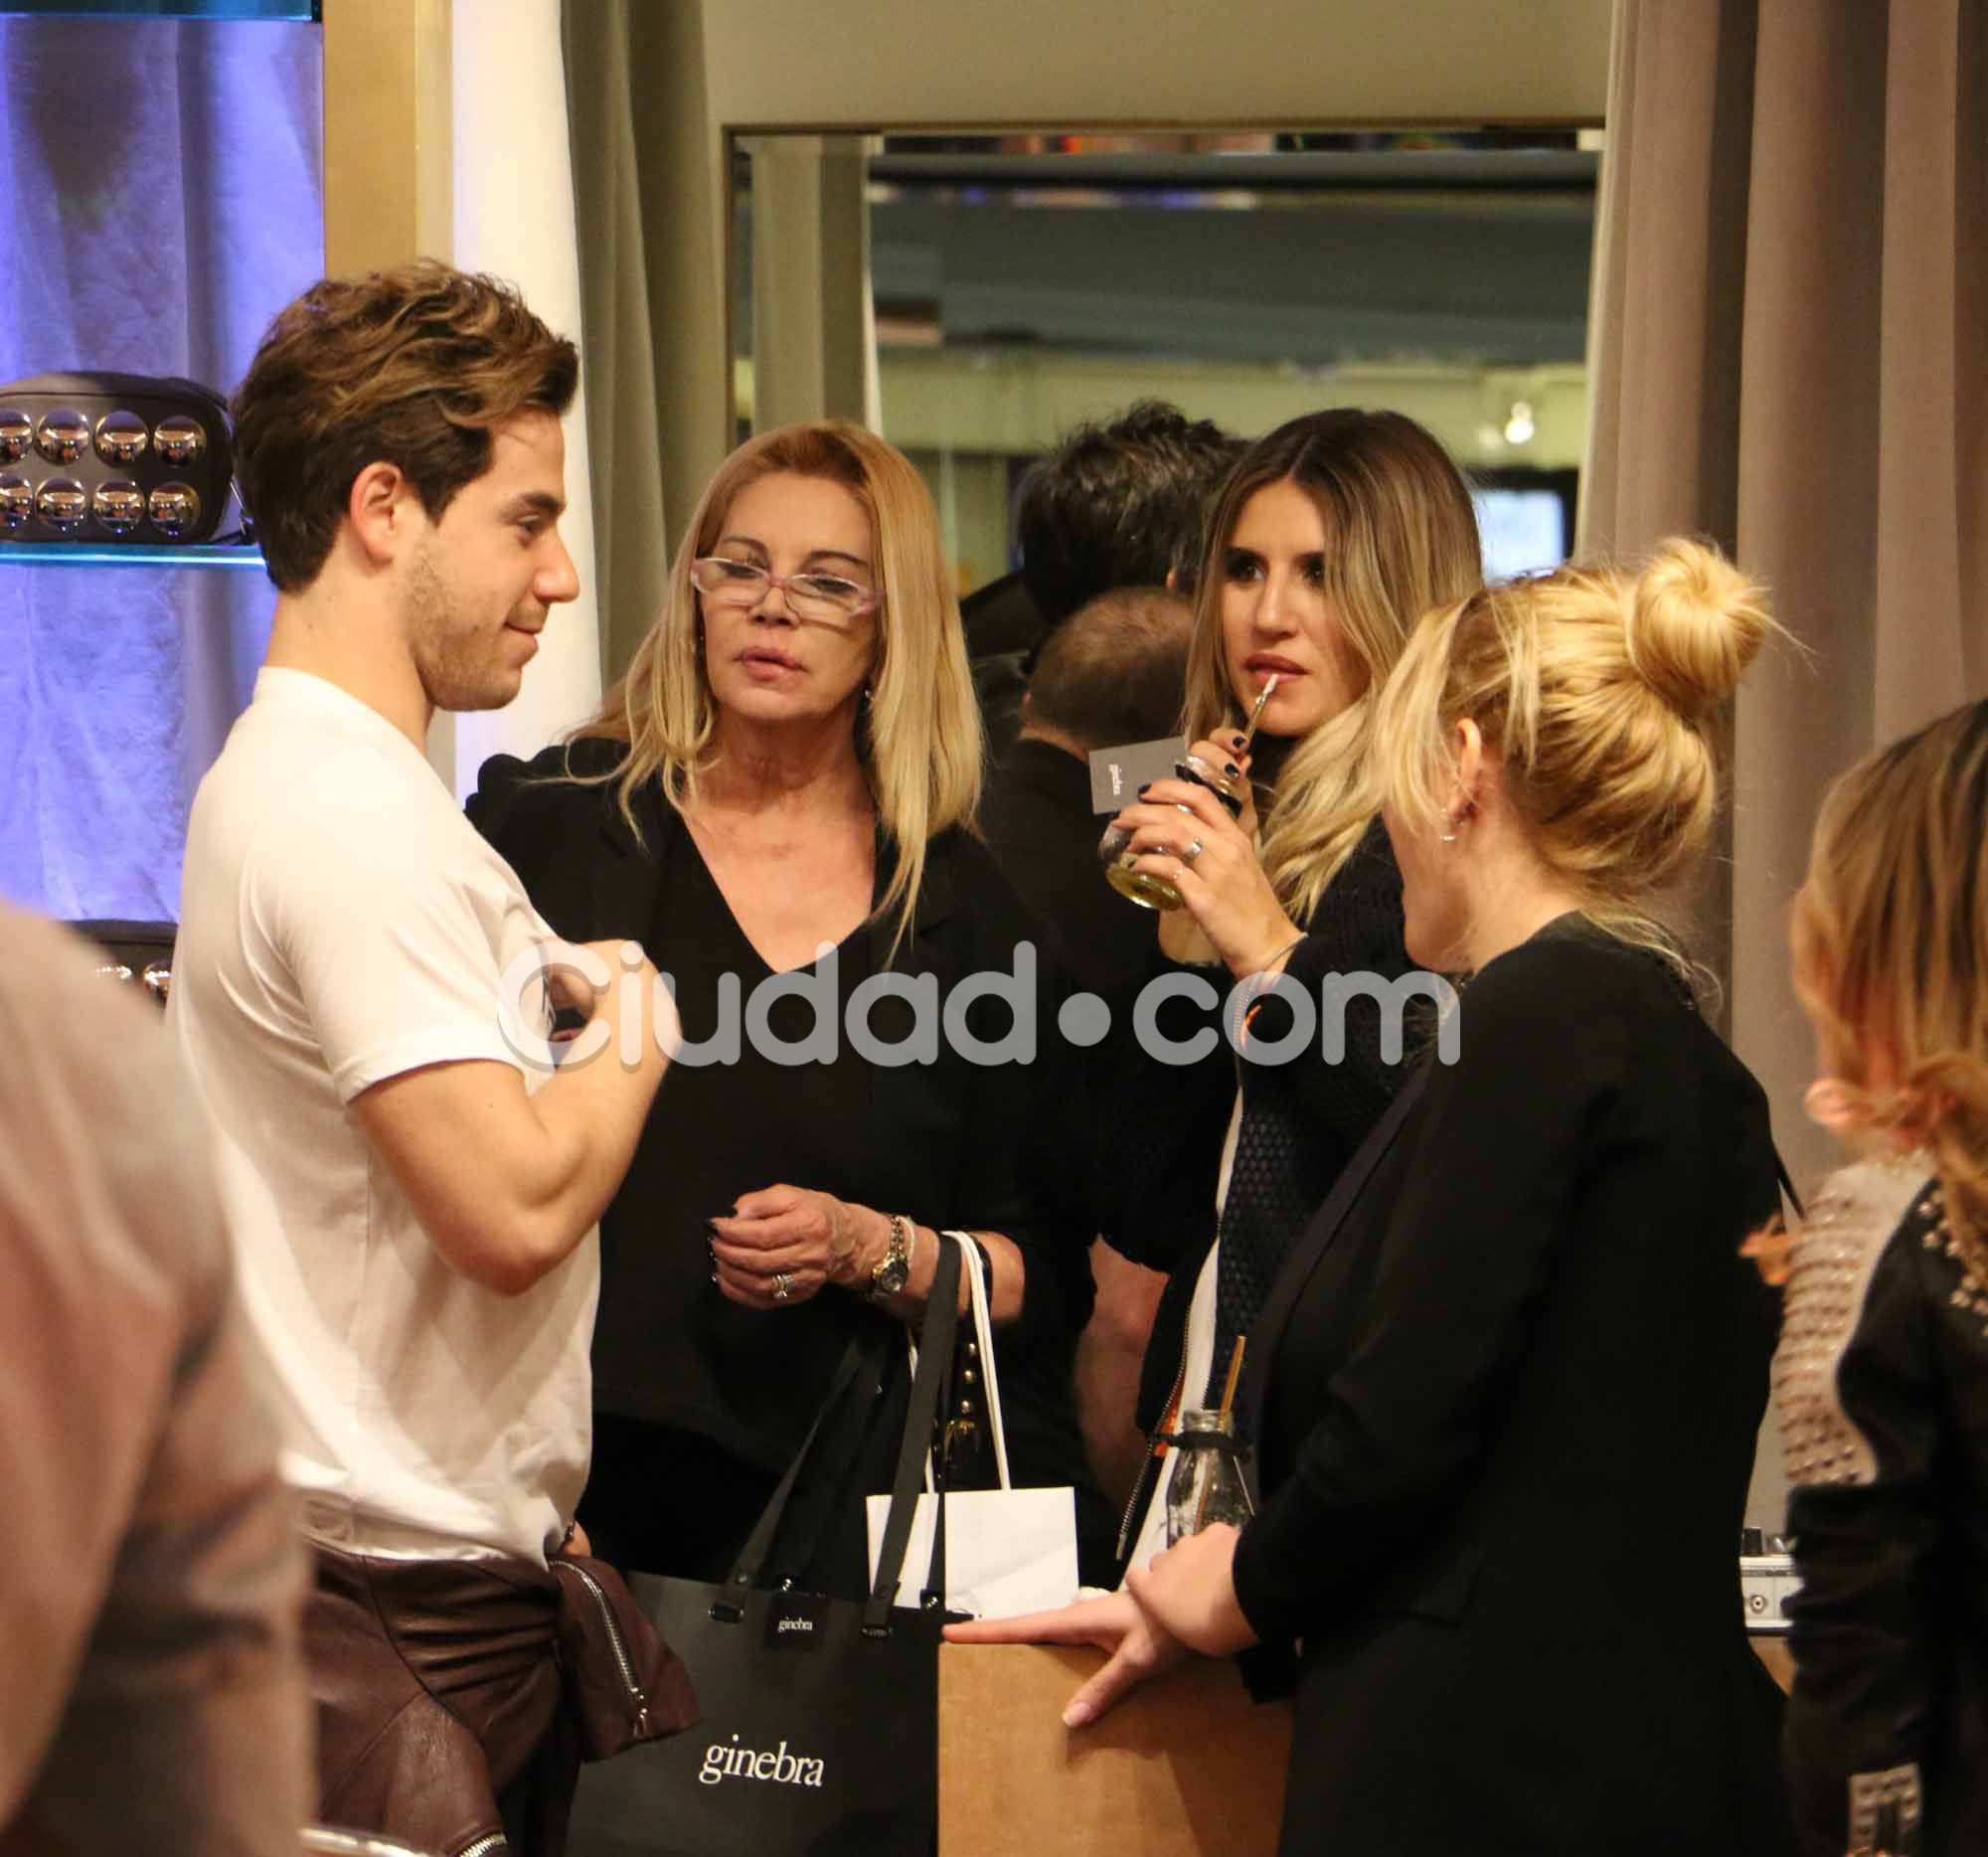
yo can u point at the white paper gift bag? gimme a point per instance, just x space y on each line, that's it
1008 1550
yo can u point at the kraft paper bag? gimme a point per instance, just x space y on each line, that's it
1186 1766
1007 1551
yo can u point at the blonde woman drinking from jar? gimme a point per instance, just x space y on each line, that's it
1331 537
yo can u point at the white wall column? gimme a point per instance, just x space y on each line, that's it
513 218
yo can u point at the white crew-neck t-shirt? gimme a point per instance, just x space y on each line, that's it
344 923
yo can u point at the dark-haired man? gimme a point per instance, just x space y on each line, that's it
1113 672
1117 503
412 1188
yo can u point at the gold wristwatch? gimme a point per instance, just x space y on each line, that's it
894 1270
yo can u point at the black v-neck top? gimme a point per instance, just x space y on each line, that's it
723 1126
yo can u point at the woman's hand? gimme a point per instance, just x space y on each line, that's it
1222 883
1217 755
780 1246
1116 1623
1190 1593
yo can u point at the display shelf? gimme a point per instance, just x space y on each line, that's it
162 9
128 555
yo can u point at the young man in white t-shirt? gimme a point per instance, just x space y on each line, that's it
412 1185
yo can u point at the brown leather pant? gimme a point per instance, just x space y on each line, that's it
439 1694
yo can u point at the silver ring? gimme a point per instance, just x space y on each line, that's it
1191 852
784 1285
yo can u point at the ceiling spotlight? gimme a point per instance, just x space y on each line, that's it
1519 426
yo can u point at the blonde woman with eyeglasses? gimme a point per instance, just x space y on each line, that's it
776 802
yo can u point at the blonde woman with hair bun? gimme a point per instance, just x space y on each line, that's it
1882 1376
1513 1371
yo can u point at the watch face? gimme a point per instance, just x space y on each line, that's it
891 1276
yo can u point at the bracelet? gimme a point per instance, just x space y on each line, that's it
1263 966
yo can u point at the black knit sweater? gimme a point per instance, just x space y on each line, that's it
1165 1150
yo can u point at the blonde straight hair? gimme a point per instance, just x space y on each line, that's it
1401 537
1890 953
1597 690
918 734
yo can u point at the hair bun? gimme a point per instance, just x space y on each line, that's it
1694 623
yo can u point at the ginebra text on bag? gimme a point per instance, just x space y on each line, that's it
780 1767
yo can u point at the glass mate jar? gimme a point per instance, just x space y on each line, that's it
1207 1483
1142 887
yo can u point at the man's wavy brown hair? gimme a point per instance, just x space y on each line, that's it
415 366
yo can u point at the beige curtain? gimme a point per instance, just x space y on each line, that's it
641 184
1789 352
1787 355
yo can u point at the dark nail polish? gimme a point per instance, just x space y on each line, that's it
1230 770
1144 790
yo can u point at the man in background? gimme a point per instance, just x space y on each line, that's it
411 1186
1113 673
151 1689
1117 503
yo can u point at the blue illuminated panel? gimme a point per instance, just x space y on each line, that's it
127 554
157 237
166 9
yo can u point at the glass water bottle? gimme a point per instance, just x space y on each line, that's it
1207 1483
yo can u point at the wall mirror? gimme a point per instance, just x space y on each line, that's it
974 296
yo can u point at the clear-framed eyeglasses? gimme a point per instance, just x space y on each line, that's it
826 596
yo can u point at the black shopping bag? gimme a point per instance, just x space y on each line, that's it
820 1715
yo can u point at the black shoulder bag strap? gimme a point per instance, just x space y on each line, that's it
861 1354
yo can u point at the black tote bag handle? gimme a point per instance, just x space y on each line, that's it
860 1355
930 1390
929 1393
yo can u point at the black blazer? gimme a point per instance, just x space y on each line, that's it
1515 1372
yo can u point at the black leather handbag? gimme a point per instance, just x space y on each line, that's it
95 458
819 1734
